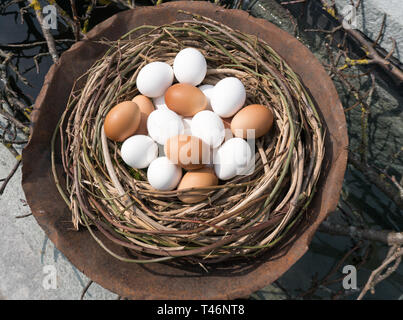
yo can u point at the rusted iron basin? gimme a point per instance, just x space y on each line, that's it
168 281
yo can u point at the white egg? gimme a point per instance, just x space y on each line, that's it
163 124
163 175
232 158
138 151
159 102
209 127
154 79
187 123
207 89
190 66
228 97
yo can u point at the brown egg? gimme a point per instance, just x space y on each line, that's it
146 107
204 177
122 121
185 99
254 116
186 151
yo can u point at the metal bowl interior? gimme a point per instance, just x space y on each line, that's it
169 281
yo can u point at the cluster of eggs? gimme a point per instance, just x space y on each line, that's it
203 129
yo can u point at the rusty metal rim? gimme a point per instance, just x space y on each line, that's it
161 281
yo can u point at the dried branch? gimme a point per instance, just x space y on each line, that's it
86 289
46 33
326 279
372 55
381 30
377 179
75 19
23 46
375 58
4 6
63 14
123 4
387 237
8 178
292 2
397 185
16 122
394 256
23 216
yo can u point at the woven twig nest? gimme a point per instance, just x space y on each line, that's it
241 216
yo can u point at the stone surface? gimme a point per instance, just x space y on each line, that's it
25 251
369 19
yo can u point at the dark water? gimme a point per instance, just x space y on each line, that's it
377 210
13 30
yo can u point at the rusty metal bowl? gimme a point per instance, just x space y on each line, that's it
227 280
